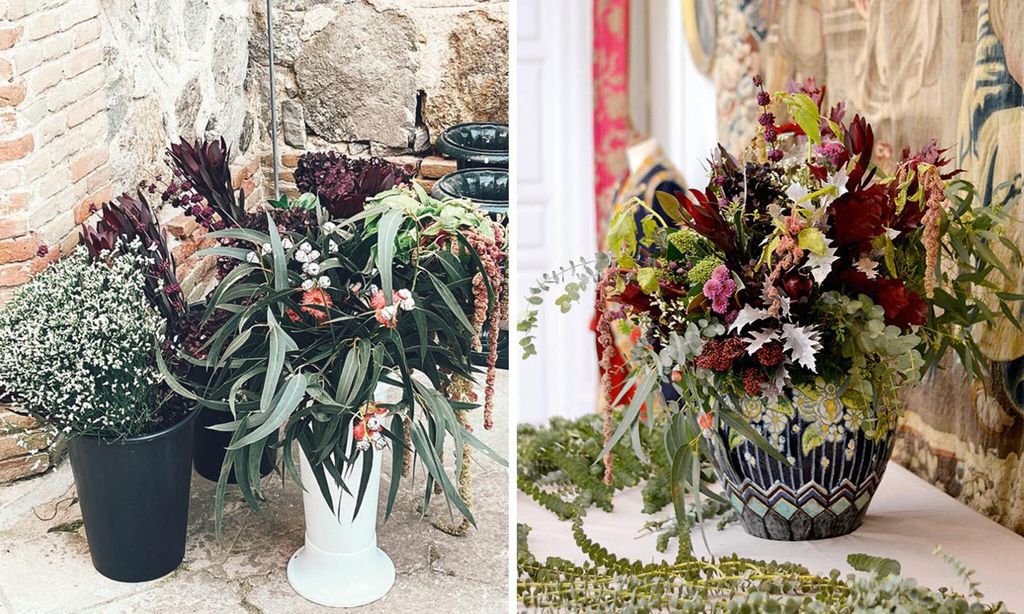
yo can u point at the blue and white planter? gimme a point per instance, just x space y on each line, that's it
825 489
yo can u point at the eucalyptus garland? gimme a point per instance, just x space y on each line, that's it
554 470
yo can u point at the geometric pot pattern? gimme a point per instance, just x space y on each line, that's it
822 493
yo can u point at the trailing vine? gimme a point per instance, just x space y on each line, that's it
609 582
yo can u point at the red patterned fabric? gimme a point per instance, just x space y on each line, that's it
611 104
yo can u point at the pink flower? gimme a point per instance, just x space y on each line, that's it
384 313
719 289
832 151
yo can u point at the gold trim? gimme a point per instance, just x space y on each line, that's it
701 60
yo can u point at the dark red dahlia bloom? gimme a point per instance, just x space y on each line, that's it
857 281
860 216
903 307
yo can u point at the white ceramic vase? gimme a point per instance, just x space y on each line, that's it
340 564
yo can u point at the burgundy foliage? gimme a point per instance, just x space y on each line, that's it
344 184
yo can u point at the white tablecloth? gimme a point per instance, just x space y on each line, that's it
907 519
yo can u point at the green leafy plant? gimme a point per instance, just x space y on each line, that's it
608 583
316 319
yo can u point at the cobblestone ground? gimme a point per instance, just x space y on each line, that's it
45 566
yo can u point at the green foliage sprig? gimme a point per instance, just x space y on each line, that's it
583 273
608 583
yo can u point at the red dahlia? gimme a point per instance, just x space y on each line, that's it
860 216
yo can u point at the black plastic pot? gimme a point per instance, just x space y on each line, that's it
488 188
476 145
134 495
211 447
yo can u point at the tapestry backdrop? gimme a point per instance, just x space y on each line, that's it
951 69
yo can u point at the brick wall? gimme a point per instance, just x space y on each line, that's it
52 129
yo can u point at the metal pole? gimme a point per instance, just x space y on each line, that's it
273 104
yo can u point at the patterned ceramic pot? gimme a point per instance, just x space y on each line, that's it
836 460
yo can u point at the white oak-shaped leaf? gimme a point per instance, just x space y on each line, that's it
747 316
802 343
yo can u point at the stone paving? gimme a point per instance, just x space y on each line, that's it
45 565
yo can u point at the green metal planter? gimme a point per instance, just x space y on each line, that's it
476 145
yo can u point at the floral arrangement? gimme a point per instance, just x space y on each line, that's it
802 270
78 346
316 316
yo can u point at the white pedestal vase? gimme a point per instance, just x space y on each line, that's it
340 564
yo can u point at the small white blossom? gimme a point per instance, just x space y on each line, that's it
252 257
406 301
307 285
389 312
332 245
311 268
329 227
266 248
324 282
286 243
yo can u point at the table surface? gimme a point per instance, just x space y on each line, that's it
907 519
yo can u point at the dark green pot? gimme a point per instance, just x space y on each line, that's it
211 447
476 145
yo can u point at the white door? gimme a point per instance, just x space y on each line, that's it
554 211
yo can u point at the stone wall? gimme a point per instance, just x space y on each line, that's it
91 92
383 77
